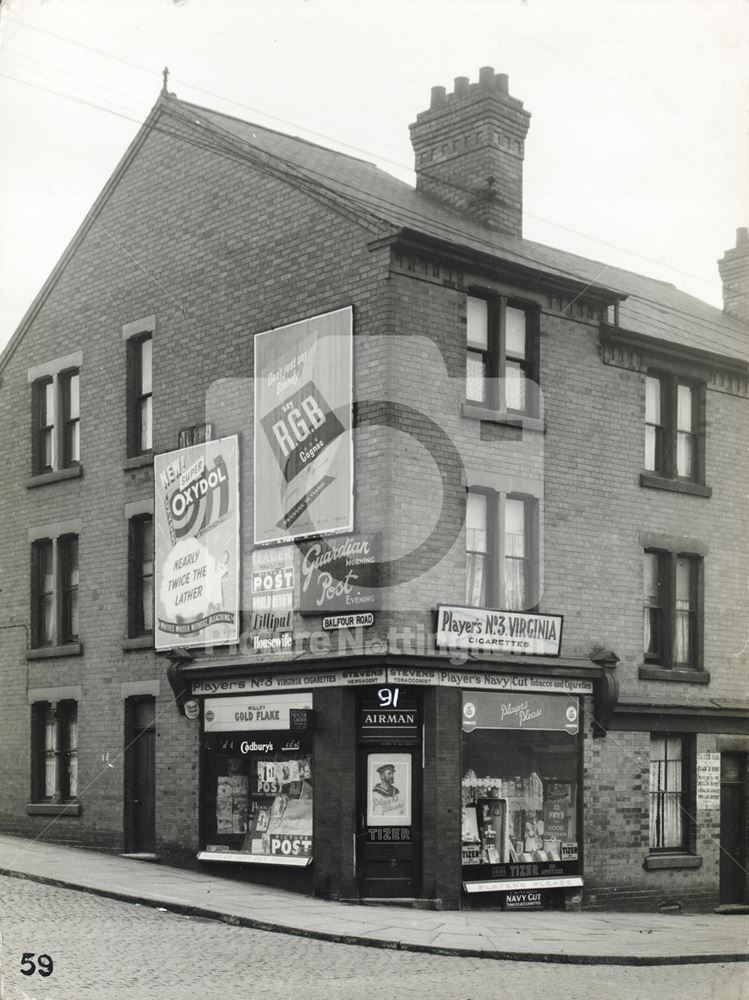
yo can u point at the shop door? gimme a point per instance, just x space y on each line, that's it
388 842
140 775
733 830
389 835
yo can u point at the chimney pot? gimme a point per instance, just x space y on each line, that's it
742 237
439 97
503 84
486 77
462 87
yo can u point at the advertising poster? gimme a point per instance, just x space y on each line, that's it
490 710
196 517
388 789
272 597
340 575
304 470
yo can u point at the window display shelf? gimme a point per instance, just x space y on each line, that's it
252 859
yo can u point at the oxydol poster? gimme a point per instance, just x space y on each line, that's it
196 517
303 440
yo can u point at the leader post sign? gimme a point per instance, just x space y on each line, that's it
304 470
196 519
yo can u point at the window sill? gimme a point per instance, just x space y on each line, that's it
44 478
655 482
660 862
138 642
647 673
475 411
51 652
53 809
138 461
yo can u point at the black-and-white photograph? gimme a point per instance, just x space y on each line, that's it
374 426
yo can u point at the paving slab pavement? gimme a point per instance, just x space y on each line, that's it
542 936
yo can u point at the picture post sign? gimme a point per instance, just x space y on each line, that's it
196 538
303 438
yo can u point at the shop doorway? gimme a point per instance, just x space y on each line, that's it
733 828
140 775
389 795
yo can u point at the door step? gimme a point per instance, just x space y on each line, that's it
732 909
405 901
144 856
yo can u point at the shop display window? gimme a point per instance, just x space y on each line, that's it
519 802
258 795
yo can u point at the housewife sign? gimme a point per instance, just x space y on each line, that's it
486 630
196 519
303 441
340 575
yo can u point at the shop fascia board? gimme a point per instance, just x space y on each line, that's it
202 667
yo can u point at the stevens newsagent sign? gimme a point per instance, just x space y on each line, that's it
483 629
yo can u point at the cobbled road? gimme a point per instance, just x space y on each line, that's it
107 950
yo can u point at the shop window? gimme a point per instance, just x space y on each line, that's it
140 403
674 428
54 739
671 783
141 575
500 550
672 586
56 422
520 816
54 591
500 355
258 780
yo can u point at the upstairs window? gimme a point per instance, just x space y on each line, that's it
141 575
671 609
500 355
56 422
140 431
673 433
500 550
54 591
54 739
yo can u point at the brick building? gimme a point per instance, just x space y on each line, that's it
356 544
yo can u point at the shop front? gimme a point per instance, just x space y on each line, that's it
258 780
388 781
521 842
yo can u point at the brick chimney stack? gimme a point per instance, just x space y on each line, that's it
734 273
469 150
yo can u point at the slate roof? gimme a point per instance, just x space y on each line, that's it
653 308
